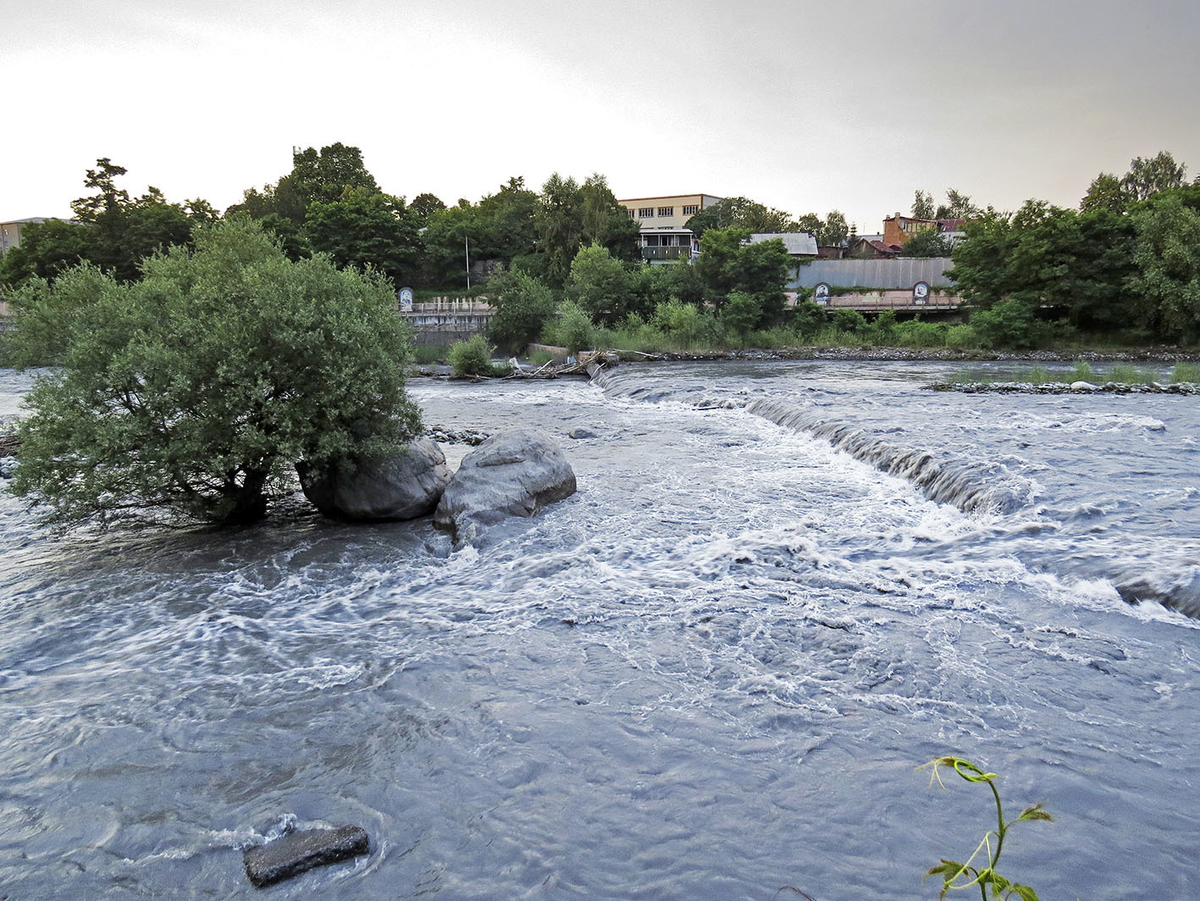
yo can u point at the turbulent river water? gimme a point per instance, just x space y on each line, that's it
710 674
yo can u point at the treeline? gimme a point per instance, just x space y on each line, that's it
565 264
330 203
563 259
1125 265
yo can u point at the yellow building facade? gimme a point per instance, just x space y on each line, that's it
664 237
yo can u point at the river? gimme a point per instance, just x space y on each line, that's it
710 674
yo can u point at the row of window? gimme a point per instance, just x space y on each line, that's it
647 212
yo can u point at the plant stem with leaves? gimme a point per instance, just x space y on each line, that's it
958 876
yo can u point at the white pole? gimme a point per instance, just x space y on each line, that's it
467 252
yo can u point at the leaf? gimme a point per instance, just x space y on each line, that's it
1026 893
1035 813
951 868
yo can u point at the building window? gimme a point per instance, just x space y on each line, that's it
646 212
666 211
631 213
691 210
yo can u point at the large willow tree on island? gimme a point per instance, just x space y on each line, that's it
198 388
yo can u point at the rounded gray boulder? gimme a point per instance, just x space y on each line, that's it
514 473
403 485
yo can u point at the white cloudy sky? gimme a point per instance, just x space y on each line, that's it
805 106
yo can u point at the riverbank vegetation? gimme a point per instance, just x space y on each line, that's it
561 265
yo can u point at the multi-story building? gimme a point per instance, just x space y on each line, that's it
664 237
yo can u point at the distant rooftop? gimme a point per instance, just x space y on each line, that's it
798 244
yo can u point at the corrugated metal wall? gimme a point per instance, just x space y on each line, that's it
874 273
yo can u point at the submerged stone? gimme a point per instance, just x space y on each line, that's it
298 852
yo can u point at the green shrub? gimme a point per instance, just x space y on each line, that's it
883 330
1010 324
472 357
808 318
1082 372
740 315
915 333
684 325
572 328
959 337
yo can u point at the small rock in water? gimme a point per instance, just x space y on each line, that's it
581 433
1083 386
300 851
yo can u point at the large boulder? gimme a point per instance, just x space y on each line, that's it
403 485
513 473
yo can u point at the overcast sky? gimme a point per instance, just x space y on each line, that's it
802 106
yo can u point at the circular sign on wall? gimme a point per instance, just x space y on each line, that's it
921 293
406 299
821 294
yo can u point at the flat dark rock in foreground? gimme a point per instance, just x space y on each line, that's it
299 851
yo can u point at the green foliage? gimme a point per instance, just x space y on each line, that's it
809 318
572 328
472 357
959 337
961 876
726 265
426 354
1076 264
316 177
957 206
1010 324
1167 253
922 207
1131 375
1082 371
522 307
925 244
571 216
425 205
113 231
1105 193
51 316
741 213
198 388
915 333
684 325
828 231
1146 178
602 286
363 229
46 249
499 227
741 314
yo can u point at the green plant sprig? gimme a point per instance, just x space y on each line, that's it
958 876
